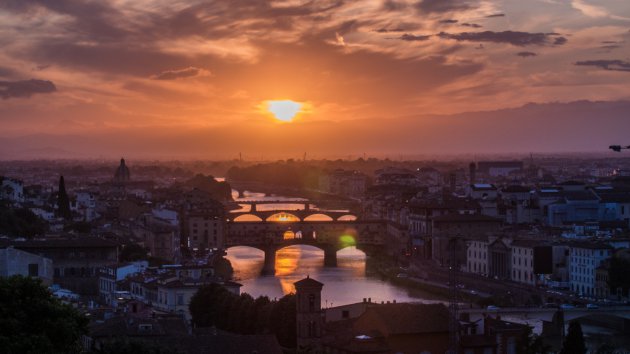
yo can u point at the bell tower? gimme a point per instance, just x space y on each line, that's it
309 313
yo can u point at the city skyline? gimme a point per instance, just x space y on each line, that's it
195 79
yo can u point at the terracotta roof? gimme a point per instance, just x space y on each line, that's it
407 318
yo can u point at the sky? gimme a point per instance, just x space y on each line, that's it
167 78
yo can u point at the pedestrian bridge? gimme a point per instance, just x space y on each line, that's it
329 236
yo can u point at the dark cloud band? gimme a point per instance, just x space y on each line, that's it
25 88
613 65
512 37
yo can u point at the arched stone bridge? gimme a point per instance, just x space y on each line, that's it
301 214
329 236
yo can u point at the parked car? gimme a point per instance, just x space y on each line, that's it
592 306
567 306
492 308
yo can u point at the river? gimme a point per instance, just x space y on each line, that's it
347 283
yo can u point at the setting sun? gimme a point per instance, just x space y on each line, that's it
284 110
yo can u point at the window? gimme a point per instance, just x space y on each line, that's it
311 302
180 299
345 314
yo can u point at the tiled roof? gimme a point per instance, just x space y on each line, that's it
407 318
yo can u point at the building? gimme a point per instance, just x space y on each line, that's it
573 206
11 189
462 228
499 168
391 328
76 261
202 221
159 236
396 176
84 204
499 259
112 274
584 259
206 231
309 314
523 261
345 183
17 262
477 257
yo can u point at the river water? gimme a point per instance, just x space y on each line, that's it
347 283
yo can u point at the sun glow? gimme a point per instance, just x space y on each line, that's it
284 110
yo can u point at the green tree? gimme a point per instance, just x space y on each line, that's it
63 202
33 321
574 342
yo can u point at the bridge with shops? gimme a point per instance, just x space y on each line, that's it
303 211
329 236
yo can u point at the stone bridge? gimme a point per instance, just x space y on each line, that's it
614 317
329 236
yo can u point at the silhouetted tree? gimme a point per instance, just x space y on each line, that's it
532 344
618 275
213 305
33 321
63 202
133 252
605 349
20 222
574 342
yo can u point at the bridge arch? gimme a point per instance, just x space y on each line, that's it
318 217
347 217
247 217
283 217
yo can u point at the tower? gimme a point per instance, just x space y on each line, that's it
309 313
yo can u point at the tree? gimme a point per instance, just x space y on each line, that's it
618 275
574 342
532 344
21 222
133 252
605 349
33 321
126 346
63 202
213 305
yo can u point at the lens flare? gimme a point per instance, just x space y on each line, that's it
347 241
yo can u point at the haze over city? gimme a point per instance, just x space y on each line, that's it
197 78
